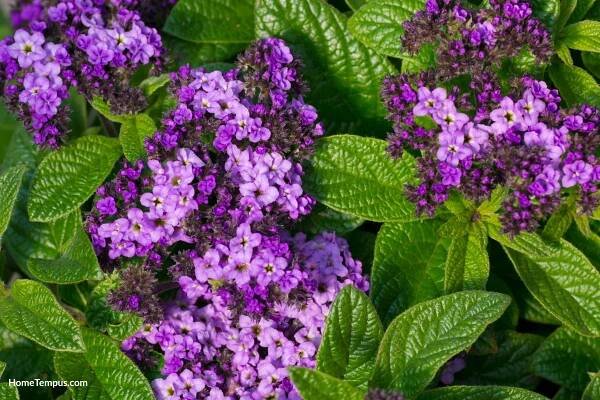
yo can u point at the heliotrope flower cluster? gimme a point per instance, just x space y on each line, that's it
473 41
94 46
209 209
523 141
246 315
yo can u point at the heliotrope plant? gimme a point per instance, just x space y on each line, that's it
175 226
223 179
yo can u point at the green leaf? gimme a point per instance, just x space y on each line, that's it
425 59
66 178
408 267
379 24
560 277
355 175
559 222
546 10
467 266
211 27
24 239
590 245
8 392
563 52
323 218
584 36
27 240
582 8
77 264
344 75
509 365
8 126
133 133
575 85
592 63
24 359
423 338
104 109
315 385
592 391
151 84
32 311
566 10
480 393
110 374
566 357
352 335
10 182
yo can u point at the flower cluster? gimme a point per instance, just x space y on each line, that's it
523 141
473 41
229 153
73 43
209 210
252 309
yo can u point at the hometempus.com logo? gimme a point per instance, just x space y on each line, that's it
46 383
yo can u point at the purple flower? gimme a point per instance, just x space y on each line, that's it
429 101
452 148
578 172
27 47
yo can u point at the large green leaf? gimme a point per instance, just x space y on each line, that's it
546 10
408 267
355 175
480 393
379 24
24 239
590 245
560 277
27 240
344 75
66 178
32 311
592 391
575 84
110 374
315 385
566 357
423 338
467 266
77 264
133 133
509 365
351 338
212 30
584 36
10 182
24 359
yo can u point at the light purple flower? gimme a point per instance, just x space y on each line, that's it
452 148
578 172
